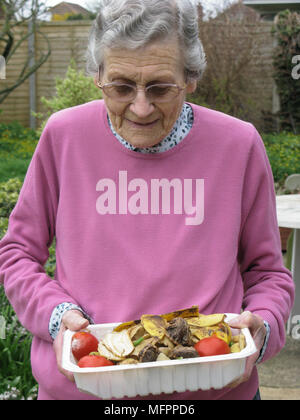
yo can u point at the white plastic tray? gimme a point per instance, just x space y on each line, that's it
156 377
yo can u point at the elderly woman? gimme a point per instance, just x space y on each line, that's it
156 204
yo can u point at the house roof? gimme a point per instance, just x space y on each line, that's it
273 6
268 9
239 12
66 7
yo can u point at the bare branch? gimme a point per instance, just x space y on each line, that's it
18 13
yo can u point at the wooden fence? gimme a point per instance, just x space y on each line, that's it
68 40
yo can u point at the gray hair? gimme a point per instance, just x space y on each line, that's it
132 24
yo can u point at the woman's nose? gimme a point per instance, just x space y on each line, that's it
141 106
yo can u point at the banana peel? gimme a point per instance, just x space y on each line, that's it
193 311
206 320
201 326
221 331
155 325
126 325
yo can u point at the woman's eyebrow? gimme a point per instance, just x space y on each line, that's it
116 75
163 78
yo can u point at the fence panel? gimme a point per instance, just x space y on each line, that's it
68 40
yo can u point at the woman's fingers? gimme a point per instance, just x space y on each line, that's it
74 321
57 346
258 331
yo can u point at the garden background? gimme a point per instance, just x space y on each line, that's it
245 57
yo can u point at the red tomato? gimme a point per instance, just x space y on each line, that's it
94 361
83 343
211 346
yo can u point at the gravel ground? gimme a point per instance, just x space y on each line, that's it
280 376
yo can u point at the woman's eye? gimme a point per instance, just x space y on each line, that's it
123 89
157 90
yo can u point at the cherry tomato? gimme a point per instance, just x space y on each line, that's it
94 361
212 346
83 343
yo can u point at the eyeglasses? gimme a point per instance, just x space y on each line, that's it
124 92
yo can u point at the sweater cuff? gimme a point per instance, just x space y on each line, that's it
58 313
264 348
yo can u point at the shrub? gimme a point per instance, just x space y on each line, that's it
232 47
287 32
16 380
283 153
17 145
74 89
9 193
16 141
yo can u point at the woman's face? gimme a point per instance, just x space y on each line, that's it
140 122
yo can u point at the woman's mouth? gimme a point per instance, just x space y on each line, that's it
136 124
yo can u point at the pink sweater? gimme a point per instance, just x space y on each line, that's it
128 243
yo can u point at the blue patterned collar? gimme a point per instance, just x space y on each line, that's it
180 130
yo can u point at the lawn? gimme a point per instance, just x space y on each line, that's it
17 145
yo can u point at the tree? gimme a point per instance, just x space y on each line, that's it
286 55
212 8
19 22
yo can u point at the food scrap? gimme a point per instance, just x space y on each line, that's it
83 343
174 336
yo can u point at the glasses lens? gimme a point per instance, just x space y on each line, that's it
155 93
120 91
162 92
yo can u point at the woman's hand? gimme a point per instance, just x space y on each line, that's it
72 320
258 331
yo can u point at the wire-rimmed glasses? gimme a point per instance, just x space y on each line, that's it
126 92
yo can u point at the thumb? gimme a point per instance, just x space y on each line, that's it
241 321
74 320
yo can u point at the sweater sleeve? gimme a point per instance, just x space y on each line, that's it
24 249
268 285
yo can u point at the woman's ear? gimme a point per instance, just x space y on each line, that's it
191 86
